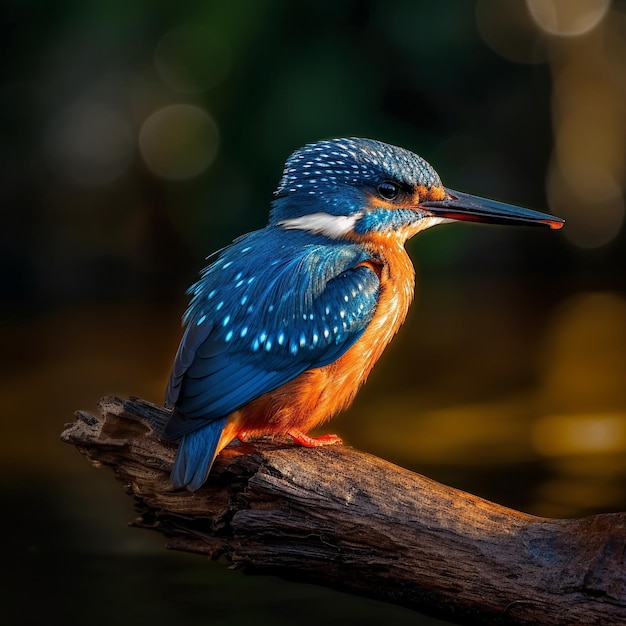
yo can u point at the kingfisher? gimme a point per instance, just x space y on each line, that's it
285 324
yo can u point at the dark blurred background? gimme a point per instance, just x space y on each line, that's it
140 136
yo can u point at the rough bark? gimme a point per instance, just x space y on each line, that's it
349 520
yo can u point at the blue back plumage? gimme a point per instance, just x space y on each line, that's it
273 304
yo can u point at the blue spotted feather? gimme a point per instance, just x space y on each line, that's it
245 336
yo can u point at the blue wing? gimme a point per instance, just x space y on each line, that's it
274 304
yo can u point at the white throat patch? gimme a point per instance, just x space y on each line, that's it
432 220
333 226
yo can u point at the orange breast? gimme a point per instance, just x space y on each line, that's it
316 395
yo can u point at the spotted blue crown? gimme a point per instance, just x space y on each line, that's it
335 174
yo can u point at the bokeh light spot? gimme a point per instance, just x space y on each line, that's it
592 204
92 142
585 356
179 141
563 435
568 18
509 31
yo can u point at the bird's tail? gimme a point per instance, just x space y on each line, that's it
195 455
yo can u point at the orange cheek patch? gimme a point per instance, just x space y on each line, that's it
434 193
421 194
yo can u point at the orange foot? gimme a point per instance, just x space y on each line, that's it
313 442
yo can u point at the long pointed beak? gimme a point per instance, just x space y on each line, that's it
462 206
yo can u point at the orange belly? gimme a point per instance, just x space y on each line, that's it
316 395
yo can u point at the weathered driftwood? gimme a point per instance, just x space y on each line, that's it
348 520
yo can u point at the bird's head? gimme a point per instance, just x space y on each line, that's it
347 188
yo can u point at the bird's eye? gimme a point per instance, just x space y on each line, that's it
388 190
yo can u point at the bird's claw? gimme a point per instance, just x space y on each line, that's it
307 441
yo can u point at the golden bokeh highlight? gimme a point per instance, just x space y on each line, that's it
584 44
179 141
584 364
585 182
566 435
568 18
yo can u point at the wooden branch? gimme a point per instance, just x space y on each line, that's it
351 521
